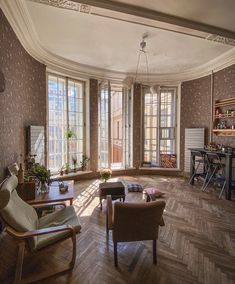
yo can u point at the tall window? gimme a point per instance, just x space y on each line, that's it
159 147
66 121
114 126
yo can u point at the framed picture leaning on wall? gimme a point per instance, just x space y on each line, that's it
13 169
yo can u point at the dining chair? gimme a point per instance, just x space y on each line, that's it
215 171
197 162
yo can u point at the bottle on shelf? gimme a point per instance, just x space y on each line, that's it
21 174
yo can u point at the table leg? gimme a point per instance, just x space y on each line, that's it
192 168
228 177
71 201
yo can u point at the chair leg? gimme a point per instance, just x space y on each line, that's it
155 251
222 190
194 173
211 176
19 265
107 225
100 203
115 254
205 180
72 263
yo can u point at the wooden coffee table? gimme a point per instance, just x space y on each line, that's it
54 194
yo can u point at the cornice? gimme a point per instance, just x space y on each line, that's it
19 18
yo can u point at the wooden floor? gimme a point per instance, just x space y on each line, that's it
197 245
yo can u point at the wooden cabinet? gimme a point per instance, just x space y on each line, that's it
224 117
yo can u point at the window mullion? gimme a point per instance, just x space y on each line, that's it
67 117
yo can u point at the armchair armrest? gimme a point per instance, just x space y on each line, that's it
39 205
28 234
109 212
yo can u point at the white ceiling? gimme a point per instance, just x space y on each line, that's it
113 45
218 13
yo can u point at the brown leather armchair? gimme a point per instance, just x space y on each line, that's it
134 222
23 224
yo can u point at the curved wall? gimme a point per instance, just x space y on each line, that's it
24 100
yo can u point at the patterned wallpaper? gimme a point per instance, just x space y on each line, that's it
93 124
24 100
136 125
196 104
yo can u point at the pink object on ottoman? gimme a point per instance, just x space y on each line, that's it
152 193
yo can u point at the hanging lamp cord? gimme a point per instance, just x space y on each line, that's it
142 51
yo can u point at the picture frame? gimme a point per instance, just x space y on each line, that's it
13 169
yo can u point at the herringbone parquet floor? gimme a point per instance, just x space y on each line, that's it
197 245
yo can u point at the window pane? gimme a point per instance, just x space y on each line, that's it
116 124
57 122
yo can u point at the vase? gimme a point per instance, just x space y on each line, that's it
43 188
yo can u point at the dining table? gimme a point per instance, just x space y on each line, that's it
228 160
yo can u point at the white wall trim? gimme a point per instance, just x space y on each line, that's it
19 18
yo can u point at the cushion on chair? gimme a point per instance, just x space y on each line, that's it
134 187
65 216
154 192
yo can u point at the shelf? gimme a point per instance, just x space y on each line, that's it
225 102
224 116
224 132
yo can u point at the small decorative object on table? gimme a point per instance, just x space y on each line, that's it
63 187
105 174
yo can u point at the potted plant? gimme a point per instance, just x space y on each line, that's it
105 174
67 167
40 173
84 162
75 160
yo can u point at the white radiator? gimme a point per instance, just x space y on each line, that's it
194 138
36 143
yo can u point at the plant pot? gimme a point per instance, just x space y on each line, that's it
61 173
66 172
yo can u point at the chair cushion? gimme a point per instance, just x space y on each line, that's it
154 192
6 187
134 187
65 216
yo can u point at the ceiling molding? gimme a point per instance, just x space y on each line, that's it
19 18
158 16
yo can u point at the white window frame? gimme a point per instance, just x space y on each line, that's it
176 128
85 116
127 101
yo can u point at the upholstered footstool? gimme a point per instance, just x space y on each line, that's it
115 189
151 193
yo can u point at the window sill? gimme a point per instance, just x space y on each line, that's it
121 169
70 175
160 169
